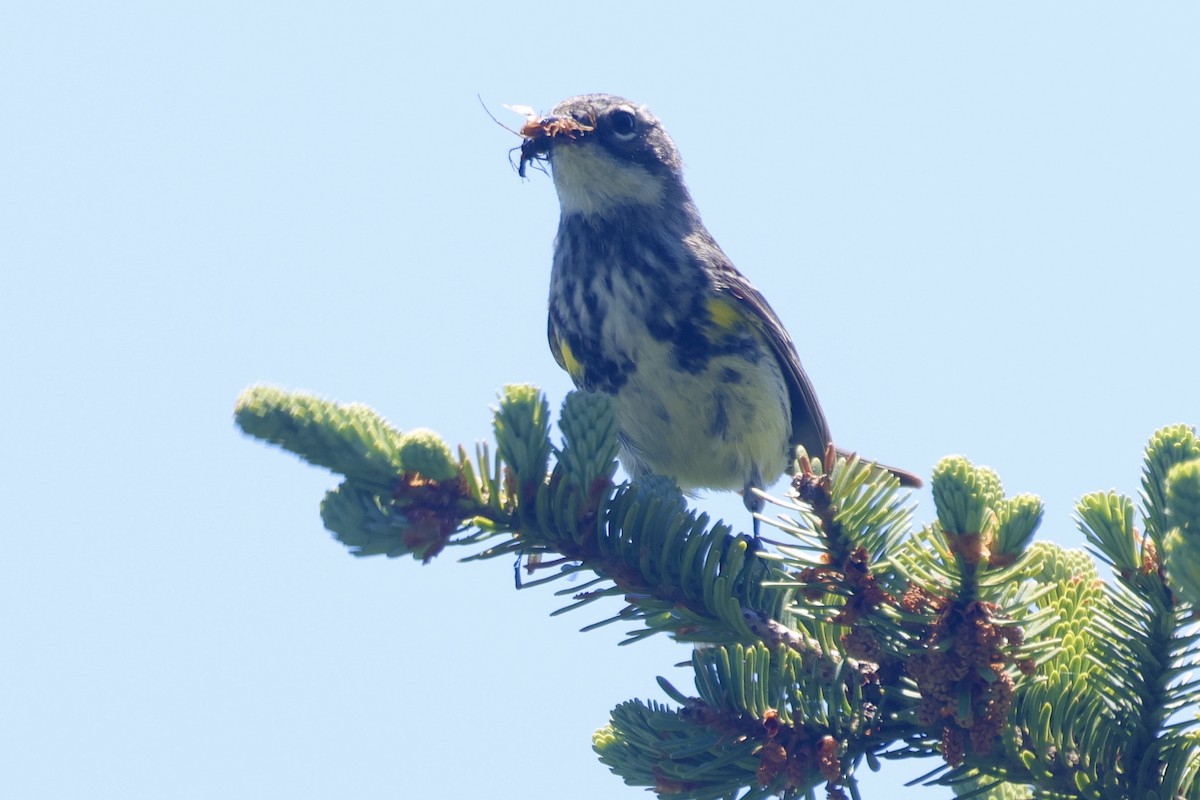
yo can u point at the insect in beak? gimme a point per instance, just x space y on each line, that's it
539 131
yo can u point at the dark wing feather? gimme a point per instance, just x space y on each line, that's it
809 427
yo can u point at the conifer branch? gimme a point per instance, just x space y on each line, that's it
850 638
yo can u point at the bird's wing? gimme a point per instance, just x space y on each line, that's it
809 427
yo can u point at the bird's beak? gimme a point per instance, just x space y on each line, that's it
541 132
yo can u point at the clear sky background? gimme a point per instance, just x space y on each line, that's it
981 225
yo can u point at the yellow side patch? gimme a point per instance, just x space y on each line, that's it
569 362
725 314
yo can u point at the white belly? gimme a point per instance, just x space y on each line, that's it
705 430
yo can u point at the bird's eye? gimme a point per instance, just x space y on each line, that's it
623 124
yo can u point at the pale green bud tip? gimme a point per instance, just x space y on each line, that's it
1019 518
522 409
258 397
604 738
587 404
1025 505
964 495
258 402
520 394
1049 563
951 466
423 451
1178 439
1183 497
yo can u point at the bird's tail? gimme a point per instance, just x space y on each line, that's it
906 478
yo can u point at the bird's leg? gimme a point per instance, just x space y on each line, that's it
754 503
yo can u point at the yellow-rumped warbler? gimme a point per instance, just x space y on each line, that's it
644 306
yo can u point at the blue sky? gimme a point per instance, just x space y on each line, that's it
980 225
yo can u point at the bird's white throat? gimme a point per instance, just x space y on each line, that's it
590 180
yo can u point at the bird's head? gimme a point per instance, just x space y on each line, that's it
606 155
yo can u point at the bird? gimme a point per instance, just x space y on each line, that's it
644 306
